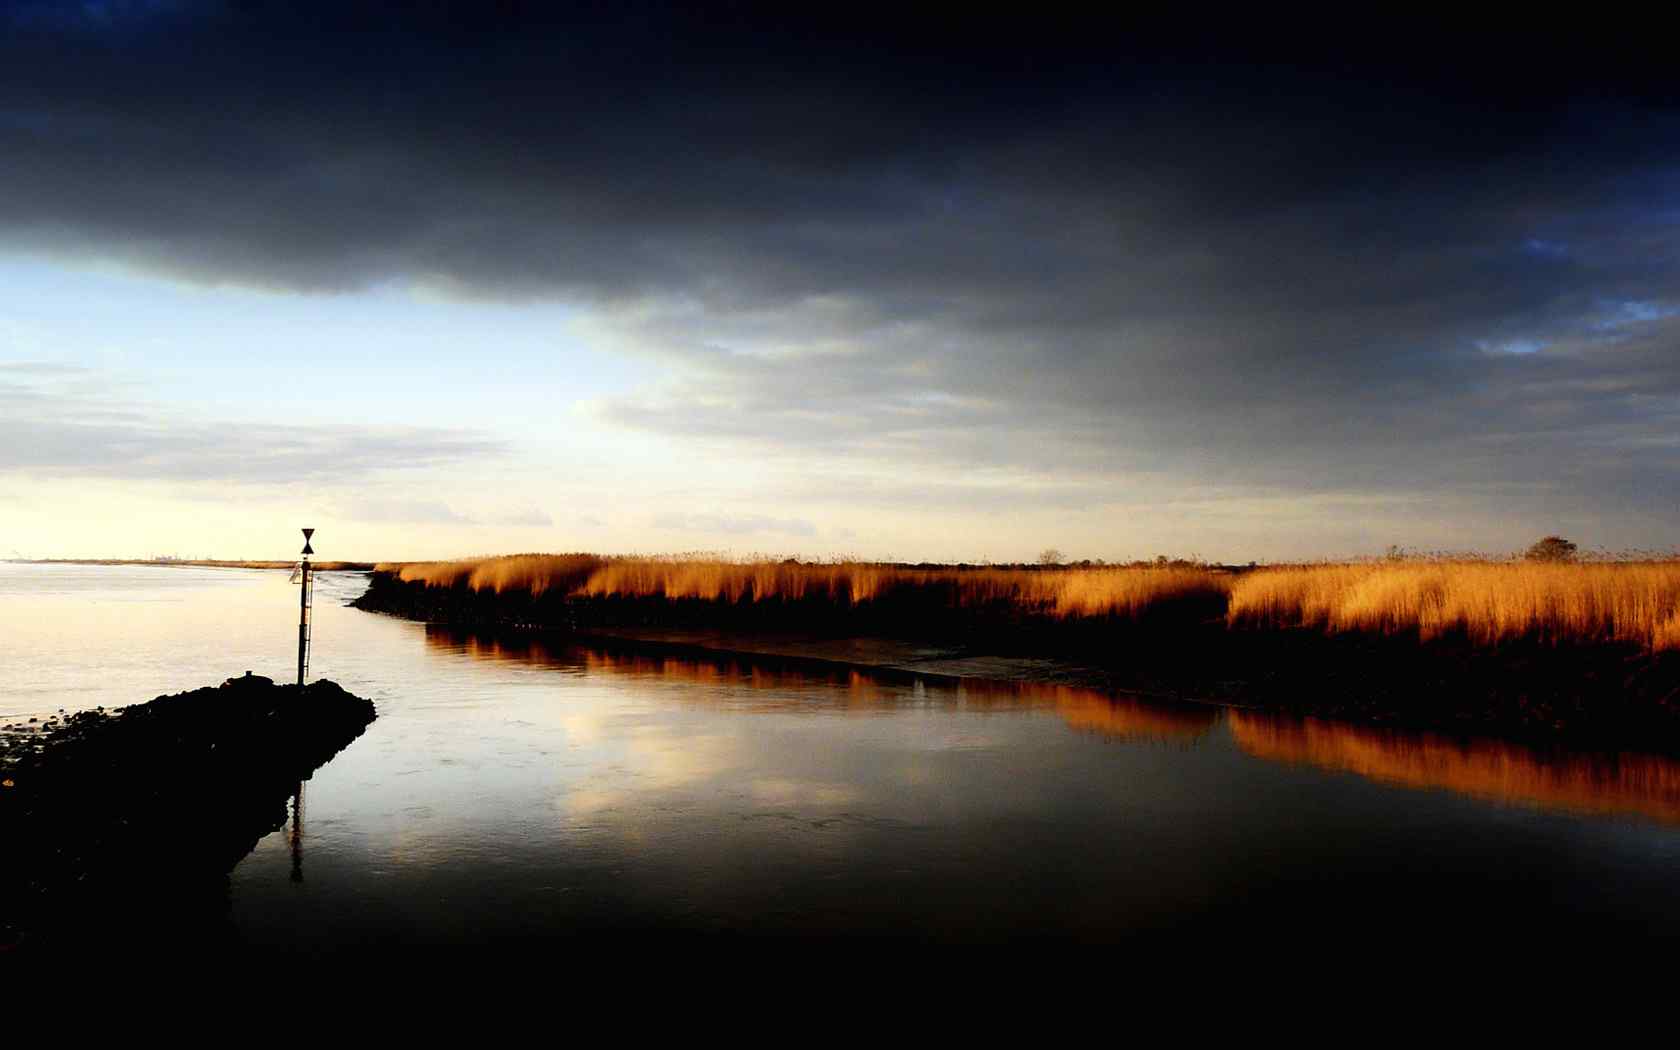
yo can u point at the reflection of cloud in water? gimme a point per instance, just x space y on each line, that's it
769 688
787 792
653 760
1118 717
1495 770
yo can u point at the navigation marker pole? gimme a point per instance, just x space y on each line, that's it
305 600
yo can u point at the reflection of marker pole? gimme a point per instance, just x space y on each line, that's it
297 832
303 607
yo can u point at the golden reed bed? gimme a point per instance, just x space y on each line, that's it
1104 591
1486 601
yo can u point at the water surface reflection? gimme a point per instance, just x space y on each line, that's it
1488 769
778 686
1494 770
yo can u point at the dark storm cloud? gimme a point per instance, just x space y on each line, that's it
1271 261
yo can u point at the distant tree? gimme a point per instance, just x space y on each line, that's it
1552 548
1051 556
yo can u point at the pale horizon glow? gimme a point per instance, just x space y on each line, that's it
560 475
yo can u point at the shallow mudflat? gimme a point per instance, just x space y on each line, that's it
101 808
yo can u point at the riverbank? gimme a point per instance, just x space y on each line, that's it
1602 693
111 815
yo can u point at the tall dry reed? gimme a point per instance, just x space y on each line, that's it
531 573
1486 601
1126 593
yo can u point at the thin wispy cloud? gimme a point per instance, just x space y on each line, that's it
50 432
530 517
735 524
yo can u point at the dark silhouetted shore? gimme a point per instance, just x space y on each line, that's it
116 817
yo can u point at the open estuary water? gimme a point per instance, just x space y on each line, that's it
522 791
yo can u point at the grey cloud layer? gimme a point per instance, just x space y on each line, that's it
72 428
1113 278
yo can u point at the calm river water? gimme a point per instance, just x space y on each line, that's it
524 790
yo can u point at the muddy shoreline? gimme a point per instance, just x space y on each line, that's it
1602 696
137 815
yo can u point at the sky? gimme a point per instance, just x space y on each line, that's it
451 279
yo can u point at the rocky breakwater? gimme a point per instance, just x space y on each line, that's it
109 817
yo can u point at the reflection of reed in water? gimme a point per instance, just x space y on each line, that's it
1488 769
845 686
1083 709
778 688
1116 717
512 648
857 687
1134 719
